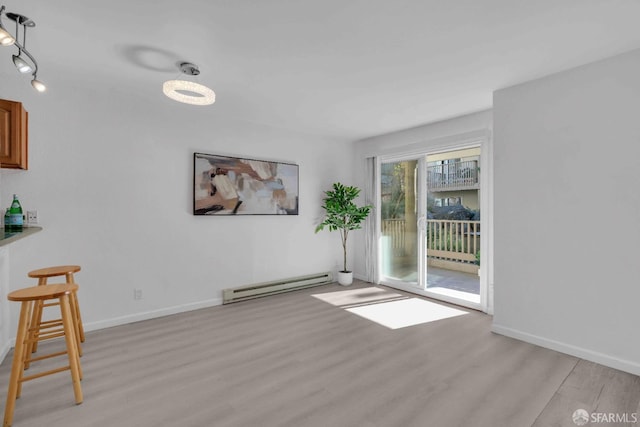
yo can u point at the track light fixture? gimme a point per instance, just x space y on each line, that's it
187 91
24 65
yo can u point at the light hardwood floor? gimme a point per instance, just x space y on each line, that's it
297 360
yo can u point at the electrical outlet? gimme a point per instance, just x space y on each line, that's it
137 294
32 217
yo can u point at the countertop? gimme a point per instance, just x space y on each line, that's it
7 237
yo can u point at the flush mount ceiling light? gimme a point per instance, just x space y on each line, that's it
24 65
187 91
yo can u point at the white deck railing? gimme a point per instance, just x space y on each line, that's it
395 230
446 239
453 240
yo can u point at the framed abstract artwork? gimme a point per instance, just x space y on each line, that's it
224 185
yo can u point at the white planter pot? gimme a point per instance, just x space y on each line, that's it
345 279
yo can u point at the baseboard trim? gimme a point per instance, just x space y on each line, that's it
147 315
123 320
360 277
583 353
5 349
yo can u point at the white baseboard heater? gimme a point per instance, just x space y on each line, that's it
275 287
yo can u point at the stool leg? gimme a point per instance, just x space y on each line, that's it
37 318
17 366
29 334
72 352
78 317
73 306
76 312
34 328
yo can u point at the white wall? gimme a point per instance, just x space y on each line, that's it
567 204
5 318
111 177
414 140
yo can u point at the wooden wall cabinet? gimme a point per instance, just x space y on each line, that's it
14 135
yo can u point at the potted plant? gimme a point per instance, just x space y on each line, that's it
342 214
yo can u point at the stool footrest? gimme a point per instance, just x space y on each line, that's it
44 374
48 335
46 356
46 323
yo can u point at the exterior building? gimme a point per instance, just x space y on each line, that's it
453 178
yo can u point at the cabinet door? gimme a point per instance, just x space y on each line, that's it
13 135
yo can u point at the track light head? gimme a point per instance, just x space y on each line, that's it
38 85
22 65
6 39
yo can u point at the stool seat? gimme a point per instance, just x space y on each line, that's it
42 292
58 270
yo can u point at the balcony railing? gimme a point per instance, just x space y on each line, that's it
453 176
453 240
448 240
395 230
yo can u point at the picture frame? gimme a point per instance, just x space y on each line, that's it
225 185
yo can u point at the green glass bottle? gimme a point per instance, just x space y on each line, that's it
7 221
15 214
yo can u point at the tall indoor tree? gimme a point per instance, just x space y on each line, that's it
342 214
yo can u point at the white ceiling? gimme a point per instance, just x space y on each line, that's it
345 69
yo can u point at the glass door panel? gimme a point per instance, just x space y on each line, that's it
453 224
399 246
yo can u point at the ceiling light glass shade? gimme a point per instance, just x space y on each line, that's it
22 65
188 92
38 85
6 39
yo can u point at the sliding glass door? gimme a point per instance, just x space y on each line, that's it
429 236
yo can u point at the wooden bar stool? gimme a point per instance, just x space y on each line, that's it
42 275
28 332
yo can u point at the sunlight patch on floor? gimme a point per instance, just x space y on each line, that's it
408 312
390 309
358 296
